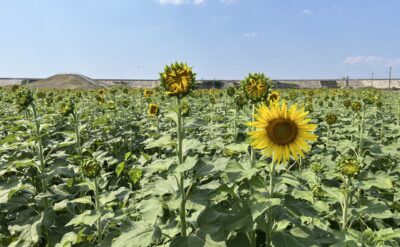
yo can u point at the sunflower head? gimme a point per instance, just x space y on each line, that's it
379 104
177 79
282 132
41 94
356 106
317 191
153 110
147 93
185 109
111 105
231 91
23 98
67 108
317 167
256 87
274 96
101 92
100 98
90 168
349 166
240 101
347 103
331 118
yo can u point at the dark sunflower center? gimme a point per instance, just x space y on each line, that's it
273 97
282 131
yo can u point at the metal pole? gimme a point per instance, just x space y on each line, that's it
390 75
372 79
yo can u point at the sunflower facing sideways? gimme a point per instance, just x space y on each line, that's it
274 96
153 110
282 132
256 87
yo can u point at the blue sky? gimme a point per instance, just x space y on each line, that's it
222 39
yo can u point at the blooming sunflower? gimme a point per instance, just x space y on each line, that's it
274 96
282 132
177 79
256 86
153 110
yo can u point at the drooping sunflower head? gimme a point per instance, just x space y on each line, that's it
147 93
274 96
282 132
256 87
153 110
331 118
177 79
349 166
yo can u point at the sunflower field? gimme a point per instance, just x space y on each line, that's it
179 166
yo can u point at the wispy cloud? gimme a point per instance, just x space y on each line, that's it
372 60
250 35
306 12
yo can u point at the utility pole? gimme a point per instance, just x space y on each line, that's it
347 82
372 79
390 75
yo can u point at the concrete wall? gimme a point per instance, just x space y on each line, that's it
352 83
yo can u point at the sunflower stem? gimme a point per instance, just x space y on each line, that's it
271 195
345 203
77 132
40 143
182 212
252 153
361 133
97 204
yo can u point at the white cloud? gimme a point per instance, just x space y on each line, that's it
250 35
372 60
174 2
306 12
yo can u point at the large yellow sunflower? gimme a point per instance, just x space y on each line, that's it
282 132
177 79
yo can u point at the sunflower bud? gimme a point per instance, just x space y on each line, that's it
317 191
347 103
177 79
317 167
356 106
331 118
90 168
349 166
24 98
240 101
231 91
256 87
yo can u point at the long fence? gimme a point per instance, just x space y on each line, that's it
314 83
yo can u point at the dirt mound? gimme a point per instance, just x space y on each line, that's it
67 81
